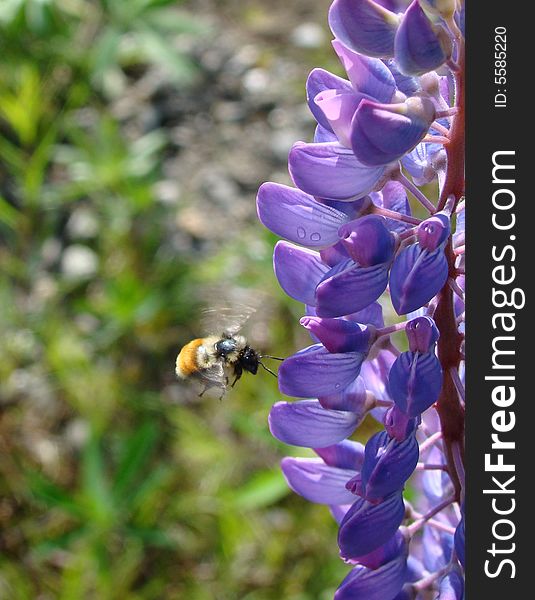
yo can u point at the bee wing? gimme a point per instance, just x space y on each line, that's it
215 376
227 319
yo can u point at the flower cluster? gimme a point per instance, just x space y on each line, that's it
352 241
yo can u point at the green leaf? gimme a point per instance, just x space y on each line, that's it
52 495
264 489
135 457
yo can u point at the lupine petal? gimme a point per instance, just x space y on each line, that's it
322 134
419 45
298 217
318 81
437 548
347 454
392 549
368 240
383 133
328 170
306 423
436 483
339 108
368 75
373 584
387 465
350 290
433 231
364 26
371 315
415 381
298 271
394 197
353 398
405 83
314 372
398 425
316 481
416 276
451 586
422 334
367 526
339 335
459 541
420 162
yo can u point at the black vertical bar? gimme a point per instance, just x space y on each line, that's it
499 126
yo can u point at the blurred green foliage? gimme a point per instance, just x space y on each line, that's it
117 482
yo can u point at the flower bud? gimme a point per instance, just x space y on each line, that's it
367 526
420 46
339 335
398 425
422 334
387 465
415 381
433 231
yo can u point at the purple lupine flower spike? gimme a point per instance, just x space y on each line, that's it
354 244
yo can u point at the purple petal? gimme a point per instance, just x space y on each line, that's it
298 217
422 334
324 135
451 586
398 425
375 372
334 255
328 170
367 526
368 75
318 81
353 398
405 83
314 372
339 335
339 108
383 583
339 511
419 45
436 484
387 465
415 381
364 26
420 162
393 197
367 240
371 315
350 290
383 133
306 423
396 546
437 548
344 455
316 481
416 276
433 231
459 542
298 271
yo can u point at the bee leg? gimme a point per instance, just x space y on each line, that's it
238 372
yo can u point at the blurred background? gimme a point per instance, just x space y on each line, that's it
133 137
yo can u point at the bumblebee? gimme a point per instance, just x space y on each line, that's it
214 358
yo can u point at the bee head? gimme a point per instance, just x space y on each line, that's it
249 360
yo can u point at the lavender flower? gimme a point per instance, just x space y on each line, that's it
352 243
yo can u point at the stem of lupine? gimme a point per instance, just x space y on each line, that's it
450 410
392 214
414 527
415 191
